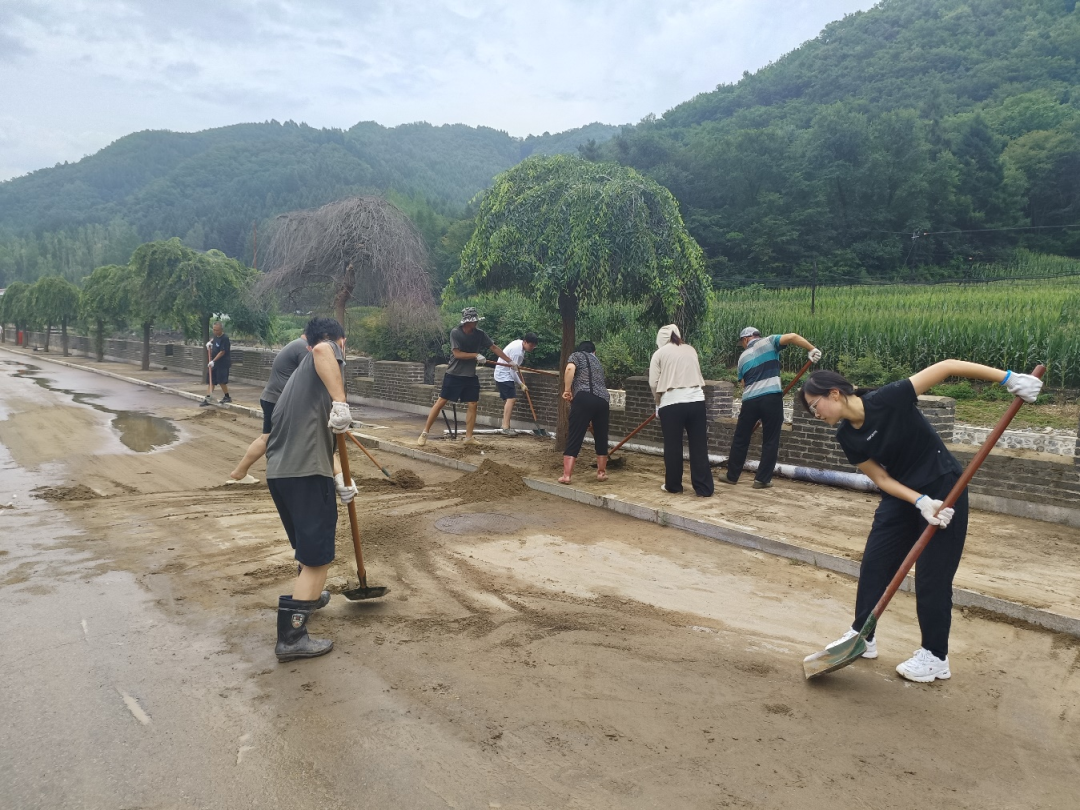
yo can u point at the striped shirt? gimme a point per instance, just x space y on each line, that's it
759 367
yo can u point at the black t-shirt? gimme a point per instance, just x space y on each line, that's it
220 344
897 436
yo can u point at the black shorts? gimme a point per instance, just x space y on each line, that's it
460 389
308 510
219 375
507 390
268 411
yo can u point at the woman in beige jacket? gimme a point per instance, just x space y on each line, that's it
676 382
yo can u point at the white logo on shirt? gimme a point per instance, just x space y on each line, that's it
872 435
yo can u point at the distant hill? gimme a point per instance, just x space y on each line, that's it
209 187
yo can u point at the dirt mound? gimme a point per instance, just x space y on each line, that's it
491 480
407 479
401 479
79 492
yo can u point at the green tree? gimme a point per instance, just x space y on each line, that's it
154 267
14 307
55 301
106 299
574 233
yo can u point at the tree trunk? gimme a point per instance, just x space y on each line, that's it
48 334
99 341
146 346
63 336
568 306
344 294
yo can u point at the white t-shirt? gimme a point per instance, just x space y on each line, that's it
677 396
515 350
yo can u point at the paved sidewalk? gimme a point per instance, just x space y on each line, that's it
1024 569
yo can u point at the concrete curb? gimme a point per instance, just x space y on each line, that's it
830 562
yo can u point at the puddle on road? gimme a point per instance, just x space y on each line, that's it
139 431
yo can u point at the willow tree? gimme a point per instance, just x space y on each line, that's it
106 299
361 249
55 302
15 307
574 233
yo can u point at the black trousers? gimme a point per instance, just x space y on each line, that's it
769 409
897 525
586 408
691 418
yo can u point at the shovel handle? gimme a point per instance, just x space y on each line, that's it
343 456
356 441
788 387
531 408
632 434
951 498
526 368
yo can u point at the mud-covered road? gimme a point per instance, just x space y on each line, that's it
532 652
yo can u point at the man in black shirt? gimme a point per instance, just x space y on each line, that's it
460 384
220 360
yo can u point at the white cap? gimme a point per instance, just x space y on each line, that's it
749 331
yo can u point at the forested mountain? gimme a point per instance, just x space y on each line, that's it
210 187
915 116
911 140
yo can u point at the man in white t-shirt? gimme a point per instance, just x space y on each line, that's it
506 378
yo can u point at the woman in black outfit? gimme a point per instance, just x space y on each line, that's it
885 435
585 389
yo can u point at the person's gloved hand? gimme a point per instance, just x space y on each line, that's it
480 357
340 417
524 387
210 364
814 355
1024 386
345 493
928 506
209 345
656 412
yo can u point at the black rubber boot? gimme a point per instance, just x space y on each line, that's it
293 641
323 600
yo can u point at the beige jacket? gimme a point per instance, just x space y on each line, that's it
673 366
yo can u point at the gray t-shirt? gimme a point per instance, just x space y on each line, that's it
284 365
300 442
476 341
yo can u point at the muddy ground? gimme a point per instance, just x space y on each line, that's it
538 653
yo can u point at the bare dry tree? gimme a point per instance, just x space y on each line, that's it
362 249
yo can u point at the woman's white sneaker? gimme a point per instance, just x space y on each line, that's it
871 644
924 667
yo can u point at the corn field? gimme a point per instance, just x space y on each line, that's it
1014 324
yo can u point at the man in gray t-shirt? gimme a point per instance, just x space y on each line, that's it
285 364
460 384
303 474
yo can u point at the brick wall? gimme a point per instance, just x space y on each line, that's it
1038 479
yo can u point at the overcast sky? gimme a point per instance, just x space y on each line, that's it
76 75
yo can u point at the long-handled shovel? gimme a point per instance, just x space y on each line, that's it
629 436
526 368
834 658
362 590
788 387
356 441
539 430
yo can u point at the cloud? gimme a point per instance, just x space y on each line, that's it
110 68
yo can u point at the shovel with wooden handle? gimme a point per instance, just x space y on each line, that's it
834 658
362 590
383 469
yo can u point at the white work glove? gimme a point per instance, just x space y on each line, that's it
480 357
209 345
1024 386
656 412
210 364
928 506
524 387
345 493
814 355
340 417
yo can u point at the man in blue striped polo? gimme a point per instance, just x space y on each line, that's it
762 399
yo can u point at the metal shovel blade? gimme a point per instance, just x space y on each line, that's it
364 592
833 658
